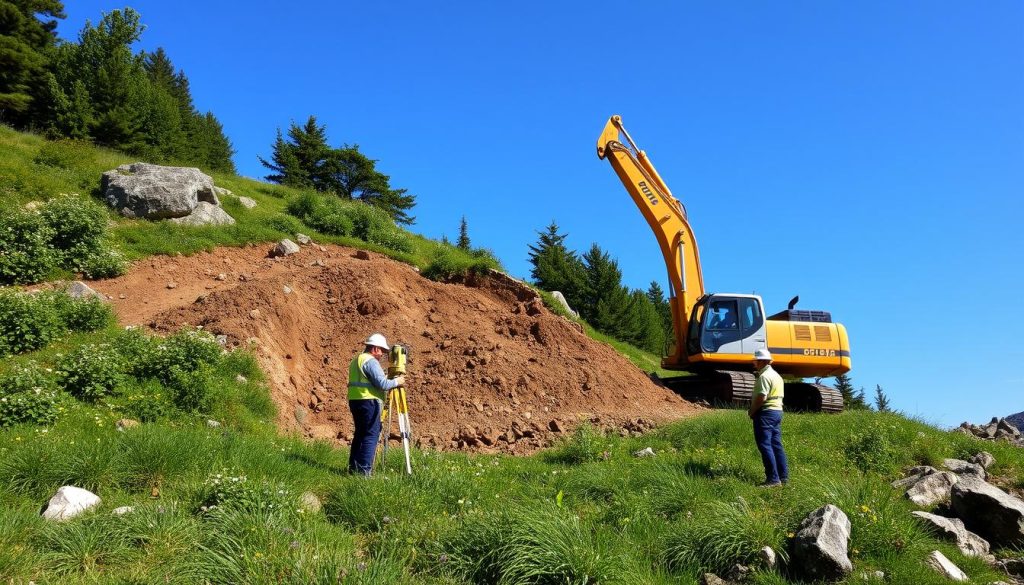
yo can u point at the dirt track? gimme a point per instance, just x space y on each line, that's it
492 369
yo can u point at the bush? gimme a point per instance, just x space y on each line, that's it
449 263
91 371
78 225
285 223
66 154
331 215
27 322
147 401
28 394
104 263
25 252
187 350
83 315
871 448
192 390
584 446
140 353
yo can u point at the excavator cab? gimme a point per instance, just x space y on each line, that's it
726 324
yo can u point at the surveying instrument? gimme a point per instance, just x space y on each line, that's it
396 403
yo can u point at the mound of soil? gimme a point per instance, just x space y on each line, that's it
491 369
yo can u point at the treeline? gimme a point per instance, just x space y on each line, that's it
592 284
98 89
305 160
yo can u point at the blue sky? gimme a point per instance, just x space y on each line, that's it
868 156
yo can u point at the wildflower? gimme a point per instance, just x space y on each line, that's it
790 535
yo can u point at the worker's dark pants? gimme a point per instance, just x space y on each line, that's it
768 435
366 416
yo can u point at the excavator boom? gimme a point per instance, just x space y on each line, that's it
667 218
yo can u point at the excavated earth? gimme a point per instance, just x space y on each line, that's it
491 369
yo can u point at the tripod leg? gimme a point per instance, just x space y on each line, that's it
406 428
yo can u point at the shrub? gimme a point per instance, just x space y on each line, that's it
27 322
187 350
140 353
84 314
104 263
584 446
91 371
451 263
28 394
871 448
285 223
147 400
77 224
192 390
331 215
232 489
25 253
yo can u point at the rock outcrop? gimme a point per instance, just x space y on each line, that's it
146 191
205 214
821 543
989 511
932 488
998 429
953 530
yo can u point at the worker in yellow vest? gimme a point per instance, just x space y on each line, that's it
766 412
367 390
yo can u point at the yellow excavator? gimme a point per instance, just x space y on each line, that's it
717 333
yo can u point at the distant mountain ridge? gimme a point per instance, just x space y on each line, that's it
1016 420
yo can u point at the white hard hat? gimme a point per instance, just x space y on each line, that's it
762 354
377 340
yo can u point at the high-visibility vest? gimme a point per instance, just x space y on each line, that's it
359 386
776 391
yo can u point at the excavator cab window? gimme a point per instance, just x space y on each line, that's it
750 315
722 326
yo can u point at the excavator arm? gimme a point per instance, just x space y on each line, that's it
667 218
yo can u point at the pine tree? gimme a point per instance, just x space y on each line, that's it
852 400
881 400
648 330
463 242
27 35
285 165
555 267
352 175
661 305
605 300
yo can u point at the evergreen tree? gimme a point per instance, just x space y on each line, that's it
216 151
27 36
605 300
852 400
881 400
648 331
661 305
555 267
463 242
285 165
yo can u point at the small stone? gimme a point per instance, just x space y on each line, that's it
984 459
241 379
68 502
122 296
309 502
222 340
712 579
285 247
222 276
768 558
303 239
212 423
945 567
171 285
254 314
80 290
362 255
122 510
646 452
126 423
287 290
247 202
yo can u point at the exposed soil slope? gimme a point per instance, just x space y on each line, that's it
491 368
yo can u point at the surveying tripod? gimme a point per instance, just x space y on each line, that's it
396 403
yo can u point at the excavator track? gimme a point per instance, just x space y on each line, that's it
732 389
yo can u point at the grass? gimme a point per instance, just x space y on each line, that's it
550 518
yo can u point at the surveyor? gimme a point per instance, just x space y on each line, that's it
367 390
766 412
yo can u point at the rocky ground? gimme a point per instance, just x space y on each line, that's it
491 368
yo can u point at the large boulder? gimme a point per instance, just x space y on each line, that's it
68 502
565 303
932 489
205 214
914 476
989 511
148 191
961 467
821 543
953 530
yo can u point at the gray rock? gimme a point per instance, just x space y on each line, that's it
1013 567
914 476
222 340
222 191
768 558
80 290
1005 425
932 489
945 567
285 247
645 452
961 467
989 511
212 423
122 510
984 459
241 379
303 239
561 299
310 503
820 545
205 214
148 191
68 502
247 202
953 529
712 579
738 573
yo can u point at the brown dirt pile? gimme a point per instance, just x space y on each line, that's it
491 368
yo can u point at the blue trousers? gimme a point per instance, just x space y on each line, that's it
366 416
768 435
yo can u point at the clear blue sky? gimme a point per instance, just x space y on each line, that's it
868 156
